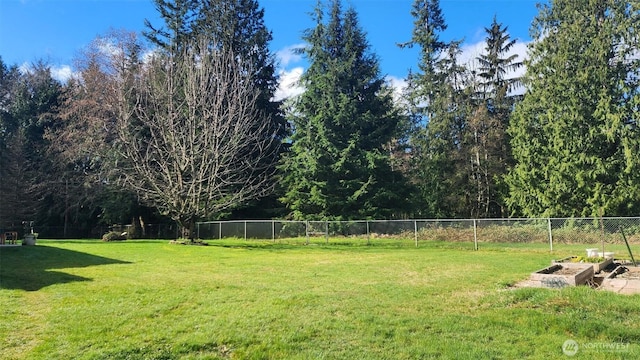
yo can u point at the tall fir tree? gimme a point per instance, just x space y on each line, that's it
29 110
490 155
179 17
439 107
10 77
575 136
496 69
338 167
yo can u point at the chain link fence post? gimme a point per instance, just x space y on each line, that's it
326 232
368 237
475 234
306 230
550 235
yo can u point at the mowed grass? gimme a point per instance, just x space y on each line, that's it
285 300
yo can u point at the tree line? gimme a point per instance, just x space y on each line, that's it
180 123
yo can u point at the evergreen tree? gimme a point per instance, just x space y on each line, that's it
439 108
9 79
575 136
29 110
487 125
495 66
179 17
338 166
427 26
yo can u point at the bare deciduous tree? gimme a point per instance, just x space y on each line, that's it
191 140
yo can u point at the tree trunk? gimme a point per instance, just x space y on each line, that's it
187 229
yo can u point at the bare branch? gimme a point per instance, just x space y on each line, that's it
191 136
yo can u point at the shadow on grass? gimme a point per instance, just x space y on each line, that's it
29 267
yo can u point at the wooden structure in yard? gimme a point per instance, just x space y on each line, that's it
9 238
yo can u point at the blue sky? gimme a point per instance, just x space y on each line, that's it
55 30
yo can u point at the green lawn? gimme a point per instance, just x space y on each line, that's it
286 300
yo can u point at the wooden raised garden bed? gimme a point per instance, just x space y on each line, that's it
561 275
598 264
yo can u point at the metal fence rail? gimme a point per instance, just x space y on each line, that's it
543 230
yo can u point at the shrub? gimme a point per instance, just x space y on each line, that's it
114 236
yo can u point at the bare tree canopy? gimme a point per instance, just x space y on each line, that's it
191 139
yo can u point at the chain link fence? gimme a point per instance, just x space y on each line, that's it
150 231
471 232
549 231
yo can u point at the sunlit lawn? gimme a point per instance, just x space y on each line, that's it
287 300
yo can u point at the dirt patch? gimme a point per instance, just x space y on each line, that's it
567 271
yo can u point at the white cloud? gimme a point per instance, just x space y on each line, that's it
288 55
470 53
25 68
289 85
398 85
108 47
62 73
149 55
